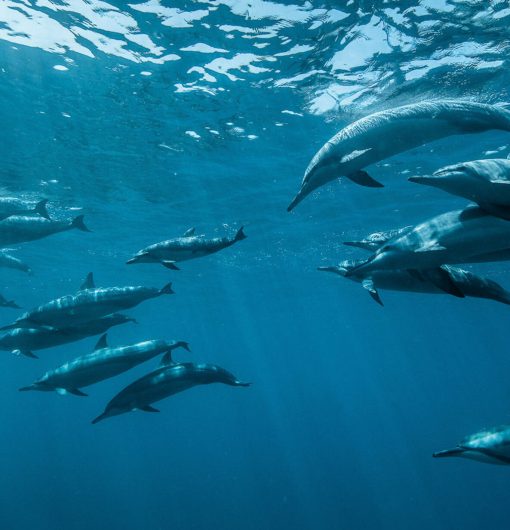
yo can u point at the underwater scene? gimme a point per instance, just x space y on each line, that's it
254 264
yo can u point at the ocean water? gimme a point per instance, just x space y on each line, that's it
153 117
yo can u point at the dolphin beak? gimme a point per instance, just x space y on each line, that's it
100 418
131 261
297 199
427 180
352 244
335 270
448 452
367 266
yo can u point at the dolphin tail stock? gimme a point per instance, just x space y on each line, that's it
182 344
240 235
169 264
167 289
456 451
79 224
40 209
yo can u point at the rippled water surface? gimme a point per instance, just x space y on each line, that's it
153 117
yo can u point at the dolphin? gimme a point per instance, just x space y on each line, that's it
8 303
20 229
389 132
10 262
23 341
459 236
165 382
104 362
491 446
87 304
486 182
13 206
445 279
188 246
377 239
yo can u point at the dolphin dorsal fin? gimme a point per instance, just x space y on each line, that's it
88 282
190 232
102 342
167 360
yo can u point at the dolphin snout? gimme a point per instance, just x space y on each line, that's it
132 260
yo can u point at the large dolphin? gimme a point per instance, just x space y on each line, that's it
87 304
188 246
13 206
486 182
20 229
104 362
491 446
10 262
24 341
386 133
460 236
163 383
445 279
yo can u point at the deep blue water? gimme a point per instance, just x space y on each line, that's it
349 399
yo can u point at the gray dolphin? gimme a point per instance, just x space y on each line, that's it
10 262
188 246
104 362
13 206
386 133
18 229
24 341
163 383
443 280
491 446
87 304
459 236
486 182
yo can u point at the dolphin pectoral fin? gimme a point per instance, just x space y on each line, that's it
503 212
368 284
169 264
148 408
76 392
443 280
456 451
102 342
26 353
364 179
190 232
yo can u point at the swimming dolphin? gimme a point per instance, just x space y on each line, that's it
8 303
163 383
13 206
24 341
486 182
386 133
188 246
11 262
491 446
104 362
18 229
459 236
444 280
87 304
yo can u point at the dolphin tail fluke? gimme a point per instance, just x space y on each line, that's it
40 208
456 451
101 417
167 289
79 224
240 234
169 264
183 344
364 179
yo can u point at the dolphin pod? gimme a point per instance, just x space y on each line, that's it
491 446
188 246
165 382
389 132
104 362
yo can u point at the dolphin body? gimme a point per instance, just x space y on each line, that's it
386 133
23 341
461 236
165 382
188 246
13 206
443 280
10 262
101 364
486 182
20 229
88 303
491 446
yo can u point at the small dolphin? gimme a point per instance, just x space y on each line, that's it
386 133
10 262
377 239
24 341
486 182
163 383
104 362
17 229
189 246
491 446
444 280
13 206
87 304
8 303
459 236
